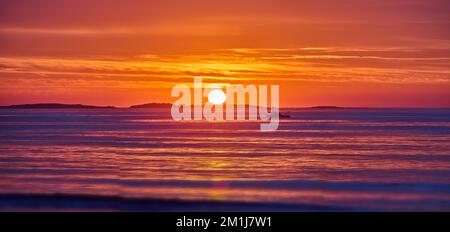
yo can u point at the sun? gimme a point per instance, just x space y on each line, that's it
217 97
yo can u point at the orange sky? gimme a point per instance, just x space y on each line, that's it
347 53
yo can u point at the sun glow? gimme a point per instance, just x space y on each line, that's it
217 97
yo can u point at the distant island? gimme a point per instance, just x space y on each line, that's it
151 105
55 106
334 107
81 106
326 107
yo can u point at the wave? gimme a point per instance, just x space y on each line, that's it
80 202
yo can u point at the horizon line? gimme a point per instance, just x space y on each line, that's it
165 103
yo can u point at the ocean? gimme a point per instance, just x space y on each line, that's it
142 160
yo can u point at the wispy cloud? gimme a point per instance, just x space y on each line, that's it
299 64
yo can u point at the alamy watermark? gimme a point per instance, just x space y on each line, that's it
233 102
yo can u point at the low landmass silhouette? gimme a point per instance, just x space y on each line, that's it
152 105
335 107
55 106
79 106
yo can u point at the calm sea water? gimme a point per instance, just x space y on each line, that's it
371 159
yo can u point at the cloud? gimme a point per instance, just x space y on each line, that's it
391 65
